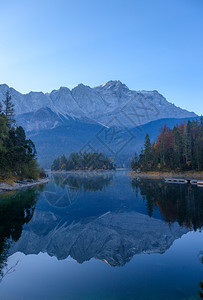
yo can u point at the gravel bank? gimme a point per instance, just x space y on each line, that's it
5 187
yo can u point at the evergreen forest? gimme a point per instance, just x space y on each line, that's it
83 161
177 149
17 153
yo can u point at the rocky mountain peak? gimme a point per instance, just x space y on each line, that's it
81 86
113 84
100 104
4 88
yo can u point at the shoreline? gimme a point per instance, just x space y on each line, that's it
162 175
6 187
80 171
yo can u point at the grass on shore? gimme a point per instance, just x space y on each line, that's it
9 180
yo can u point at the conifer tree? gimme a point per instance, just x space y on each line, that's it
147 153
134 163
17 154
83 161
180 149
9 109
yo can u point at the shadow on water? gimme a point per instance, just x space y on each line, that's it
16 209
94 181
176 202
105 216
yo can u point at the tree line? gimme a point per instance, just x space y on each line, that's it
83 161
17 154
177 149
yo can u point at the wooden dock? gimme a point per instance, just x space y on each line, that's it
193 181
200 183
197 182
176 180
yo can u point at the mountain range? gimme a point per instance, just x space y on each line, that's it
106 118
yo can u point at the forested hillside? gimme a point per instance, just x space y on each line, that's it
17 154
178 149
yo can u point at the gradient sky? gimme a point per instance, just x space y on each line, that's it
148 44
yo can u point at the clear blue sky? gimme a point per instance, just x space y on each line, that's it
148 44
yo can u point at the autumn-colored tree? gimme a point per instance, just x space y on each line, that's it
180 148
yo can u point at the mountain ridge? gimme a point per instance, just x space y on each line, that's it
100 104
108 118
76 136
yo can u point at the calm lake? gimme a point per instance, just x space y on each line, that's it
101 236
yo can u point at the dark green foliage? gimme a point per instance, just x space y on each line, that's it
200 292
17 154
83 161
9 109
147 153
134 163
177 149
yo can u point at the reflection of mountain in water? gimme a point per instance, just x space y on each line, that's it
104 225
108 218
113 237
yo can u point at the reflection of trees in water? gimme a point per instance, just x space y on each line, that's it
176 202
200 292
16 209
85 182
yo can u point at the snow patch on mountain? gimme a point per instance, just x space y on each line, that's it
101 104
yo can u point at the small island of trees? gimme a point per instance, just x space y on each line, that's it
83 161
17 154
177 149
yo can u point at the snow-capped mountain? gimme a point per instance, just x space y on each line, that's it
109 118
110 104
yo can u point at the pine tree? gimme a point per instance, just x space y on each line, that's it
134 163
56 164
9 109
20 137
30 150
63 162
147 153
201 126
4 133
83 161
180 148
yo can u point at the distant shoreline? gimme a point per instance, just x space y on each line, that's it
163 175
78 171
6 187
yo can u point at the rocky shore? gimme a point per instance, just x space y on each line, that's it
18 185
163 175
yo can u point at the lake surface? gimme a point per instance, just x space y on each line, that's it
101 236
